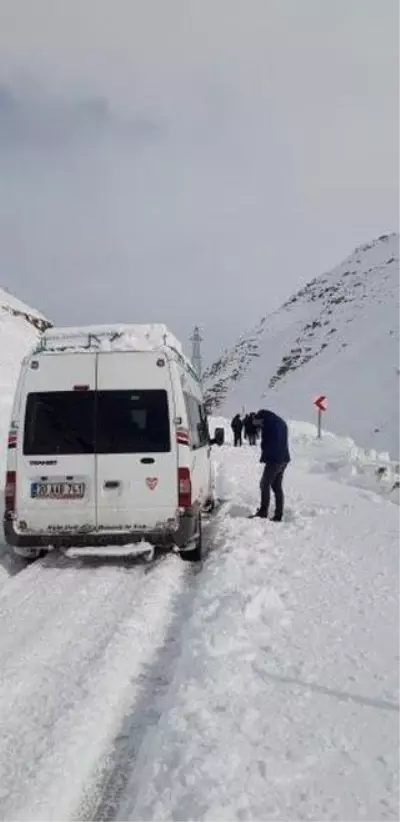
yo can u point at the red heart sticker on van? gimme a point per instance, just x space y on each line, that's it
152 482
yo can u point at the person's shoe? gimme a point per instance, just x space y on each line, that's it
260 514
276 519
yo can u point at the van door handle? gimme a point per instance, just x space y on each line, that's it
147 460
112 484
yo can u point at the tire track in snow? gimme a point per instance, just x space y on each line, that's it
119 765
74 643
143 714
117 769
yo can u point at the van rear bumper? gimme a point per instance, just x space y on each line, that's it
163 537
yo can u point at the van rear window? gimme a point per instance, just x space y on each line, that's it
103 422
59 422
132 422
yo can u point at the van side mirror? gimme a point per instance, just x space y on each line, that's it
219 437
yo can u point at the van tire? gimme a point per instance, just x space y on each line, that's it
195 554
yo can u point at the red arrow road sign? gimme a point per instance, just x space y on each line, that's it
321 402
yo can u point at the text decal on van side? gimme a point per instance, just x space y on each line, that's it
42 462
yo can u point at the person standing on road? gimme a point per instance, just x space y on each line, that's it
237 426
250 428
276 457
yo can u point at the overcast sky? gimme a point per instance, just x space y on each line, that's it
191 161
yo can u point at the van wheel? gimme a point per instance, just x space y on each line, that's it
195 554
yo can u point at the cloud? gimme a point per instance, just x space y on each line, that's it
42 121
194 162
110 217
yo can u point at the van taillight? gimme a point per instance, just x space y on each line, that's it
184 488
10 491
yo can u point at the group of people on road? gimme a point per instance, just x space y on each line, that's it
244 426
274 455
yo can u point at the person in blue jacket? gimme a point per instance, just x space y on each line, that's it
276 457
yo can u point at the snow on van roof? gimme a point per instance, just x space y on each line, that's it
134 337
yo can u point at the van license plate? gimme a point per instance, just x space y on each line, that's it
57 490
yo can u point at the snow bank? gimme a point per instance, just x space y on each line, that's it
337 457
341 459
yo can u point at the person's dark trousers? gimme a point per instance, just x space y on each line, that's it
272 478
252 439
237 439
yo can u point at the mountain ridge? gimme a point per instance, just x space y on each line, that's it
339 322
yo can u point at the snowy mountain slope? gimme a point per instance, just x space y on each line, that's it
19 328
338 336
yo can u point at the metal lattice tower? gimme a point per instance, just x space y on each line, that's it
196 340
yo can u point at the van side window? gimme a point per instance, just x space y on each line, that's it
199 434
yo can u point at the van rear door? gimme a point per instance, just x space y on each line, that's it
137 483
55 450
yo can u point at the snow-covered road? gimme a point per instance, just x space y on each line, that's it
76 640
262 685
285 703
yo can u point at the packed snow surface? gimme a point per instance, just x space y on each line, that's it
262 684
74 644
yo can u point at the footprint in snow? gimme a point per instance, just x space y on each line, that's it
265 606
237 511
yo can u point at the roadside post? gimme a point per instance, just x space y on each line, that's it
321 404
